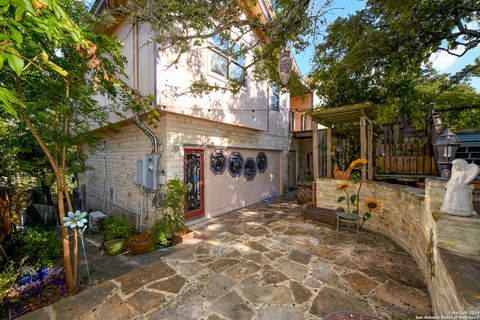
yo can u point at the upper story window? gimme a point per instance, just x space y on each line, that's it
224 65
304 122
274 97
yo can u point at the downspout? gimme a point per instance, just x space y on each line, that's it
136 119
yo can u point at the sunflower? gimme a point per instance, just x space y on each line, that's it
358 164
372 204
343 186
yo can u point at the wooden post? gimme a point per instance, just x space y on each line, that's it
363 143
329 152
321 154
315 149
370 150
315 161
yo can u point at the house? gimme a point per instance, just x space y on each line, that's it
231 150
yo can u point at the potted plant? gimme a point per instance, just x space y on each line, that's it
162 232
115 231
174 210
141 243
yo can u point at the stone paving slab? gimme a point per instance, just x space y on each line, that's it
261 262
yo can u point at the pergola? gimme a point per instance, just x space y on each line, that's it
356 117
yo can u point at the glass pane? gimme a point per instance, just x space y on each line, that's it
274 102
219 43
236 72
241 59
192 180
218 64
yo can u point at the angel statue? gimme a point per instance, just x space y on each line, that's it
458 199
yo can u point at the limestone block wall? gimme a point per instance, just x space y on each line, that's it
184 131
406 218
112 161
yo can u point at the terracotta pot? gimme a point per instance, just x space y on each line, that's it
141 243
181 237
113 247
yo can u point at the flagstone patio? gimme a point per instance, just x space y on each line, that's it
261 262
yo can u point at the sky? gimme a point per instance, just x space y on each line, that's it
442 61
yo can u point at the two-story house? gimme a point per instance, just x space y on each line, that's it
230 149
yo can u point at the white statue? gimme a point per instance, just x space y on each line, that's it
458 199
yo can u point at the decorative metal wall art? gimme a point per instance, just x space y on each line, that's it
218 162
262 162
250 169
235 164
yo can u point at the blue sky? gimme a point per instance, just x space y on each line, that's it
442 62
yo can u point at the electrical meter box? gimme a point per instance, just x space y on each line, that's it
147 172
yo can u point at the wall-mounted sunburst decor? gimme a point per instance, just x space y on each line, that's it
250 169
218 162
235 164
262 162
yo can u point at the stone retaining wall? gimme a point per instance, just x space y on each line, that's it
406 218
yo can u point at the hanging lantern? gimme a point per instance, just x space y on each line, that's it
285 66
446 145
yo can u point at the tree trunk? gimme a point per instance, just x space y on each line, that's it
61 209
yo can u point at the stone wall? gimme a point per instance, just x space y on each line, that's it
407 217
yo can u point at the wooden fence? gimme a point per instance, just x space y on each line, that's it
404 152
47 213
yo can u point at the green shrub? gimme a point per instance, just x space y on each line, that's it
37 245
162 230
115 228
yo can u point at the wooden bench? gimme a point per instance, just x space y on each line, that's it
320 214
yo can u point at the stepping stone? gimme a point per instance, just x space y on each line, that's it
280 313
173 285
231 306
273 277
144 301
213 285
360 282
243 269
256 246
300 257
276 294
300 293
404 297
329 300
141 276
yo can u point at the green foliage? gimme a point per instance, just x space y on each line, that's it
115 228
162 230
37 246
196 22
174 204
353 197
380 54
8 277
340 199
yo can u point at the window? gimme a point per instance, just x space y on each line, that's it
235 164
262 162
250 169
218 162
304 122
223 65
274 97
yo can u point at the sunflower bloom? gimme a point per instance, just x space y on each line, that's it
372 204
358 164
343 186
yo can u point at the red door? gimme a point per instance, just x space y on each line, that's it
193 170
